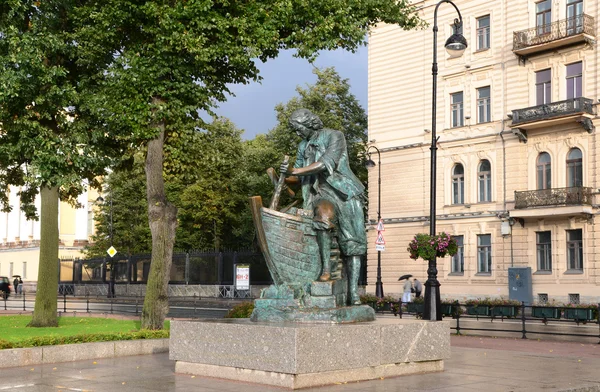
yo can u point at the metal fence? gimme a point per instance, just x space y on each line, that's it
528 319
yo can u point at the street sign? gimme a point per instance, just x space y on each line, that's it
242 277
380 225
380 240
379 248
111 251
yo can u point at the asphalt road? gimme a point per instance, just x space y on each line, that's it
178 309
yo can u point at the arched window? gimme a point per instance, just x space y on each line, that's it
543 171
574 168
458 184
484 179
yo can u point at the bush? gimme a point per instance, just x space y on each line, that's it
368 298
243 310
84 338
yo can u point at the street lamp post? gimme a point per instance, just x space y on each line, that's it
455 45
370 163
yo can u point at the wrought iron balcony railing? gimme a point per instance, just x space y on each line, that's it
553 110
580 24
553 197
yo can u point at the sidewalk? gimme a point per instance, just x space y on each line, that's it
477 364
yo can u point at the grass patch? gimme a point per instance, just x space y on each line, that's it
15 333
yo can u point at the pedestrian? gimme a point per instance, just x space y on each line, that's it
20 286
16 284
406 296
418 288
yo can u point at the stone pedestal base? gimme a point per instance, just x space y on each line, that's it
294 355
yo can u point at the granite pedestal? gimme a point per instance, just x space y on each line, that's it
300 355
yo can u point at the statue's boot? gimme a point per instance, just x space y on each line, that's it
353 265
324 241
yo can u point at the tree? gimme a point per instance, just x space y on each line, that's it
329 98
49 142
173 58
124 197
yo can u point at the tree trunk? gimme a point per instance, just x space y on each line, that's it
44 314
162 216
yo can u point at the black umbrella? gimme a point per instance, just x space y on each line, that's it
16 276
405 277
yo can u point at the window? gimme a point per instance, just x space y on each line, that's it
543 17
484 177
456 108
458 184
484 253
458 260
543 87
574 17
24 273
544 250
484 107
574 168
483 32
544 171
11 272
575 250
574 80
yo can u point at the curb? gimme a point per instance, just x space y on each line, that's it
16 357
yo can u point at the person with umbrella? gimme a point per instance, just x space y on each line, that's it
418 287
407 288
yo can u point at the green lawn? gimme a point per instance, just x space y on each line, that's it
14 328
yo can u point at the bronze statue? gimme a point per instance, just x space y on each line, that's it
331 191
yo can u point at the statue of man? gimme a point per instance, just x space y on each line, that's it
331 191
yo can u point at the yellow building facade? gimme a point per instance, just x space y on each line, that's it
517 161
20 238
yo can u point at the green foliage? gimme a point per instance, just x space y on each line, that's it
15 332
368 298
85 338
243 310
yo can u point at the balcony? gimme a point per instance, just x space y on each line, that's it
553 202
562 33
580 110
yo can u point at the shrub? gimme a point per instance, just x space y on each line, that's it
368 298
243 310
85 338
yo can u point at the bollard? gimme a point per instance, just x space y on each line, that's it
5 296
136 304
87 302
400 308
111 305
194 303
64 302
523 319
23 301
457 318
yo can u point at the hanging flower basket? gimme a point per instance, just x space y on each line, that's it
428 247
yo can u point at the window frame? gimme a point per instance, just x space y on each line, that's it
546 16
546 87
484 251
484 105
457 110
576 79
543 251
545 168
574 169
483 33
458 260
577 246
458 185
484 182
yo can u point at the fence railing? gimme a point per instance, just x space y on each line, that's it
179 307
552 110
580 24
530 317
577 195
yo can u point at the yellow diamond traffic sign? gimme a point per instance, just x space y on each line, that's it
111 251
